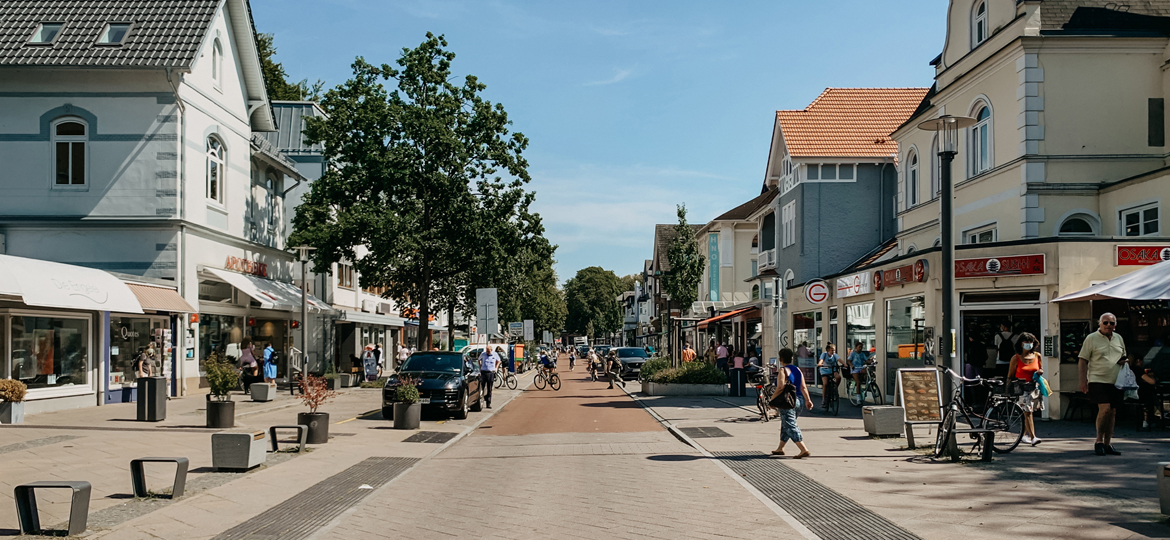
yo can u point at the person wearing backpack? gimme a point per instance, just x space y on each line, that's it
791 394
270 359
1005 342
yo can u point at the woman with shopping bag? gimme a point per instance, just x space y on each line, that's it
1024 368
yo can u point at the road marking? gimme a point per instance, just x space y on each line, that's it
362 415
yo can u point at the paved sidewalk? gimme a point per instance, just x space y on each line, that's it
1058 489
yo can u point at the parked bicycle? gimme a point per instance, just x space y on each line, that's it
869 387
1003 417
762 401
549 378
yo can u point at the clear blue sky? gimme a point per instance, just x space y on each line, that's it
631 107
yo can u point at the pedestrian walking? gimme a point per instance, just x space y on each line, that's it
1101 358
737 375
488 362
828 366
789 431
1147 390
1024 367
572 361
378 360
1005 342
270 358
688 354
710 355
403 354
615 369
721 357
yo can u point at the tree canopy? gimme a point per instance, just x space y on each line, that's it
591 298
681 282
427 176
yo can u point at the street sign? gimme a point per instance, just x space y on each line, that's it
816 292
529 330
487 318
515 329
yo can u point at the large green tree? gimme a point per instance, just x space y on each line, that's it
681 281
426 176
591 298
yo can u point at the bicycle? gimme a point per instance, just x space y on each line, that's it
550 379
832 396
506 378
868 386
1004 418
762 401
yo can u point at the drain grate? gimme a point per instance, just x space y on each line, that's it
828 514
439 437
306 512
704 432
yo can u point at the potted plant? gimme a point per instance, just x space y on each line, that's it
315 392
222 377
407 409
12 394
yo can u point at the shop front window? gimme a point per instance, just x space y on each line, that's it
859 327
134 337
806 336
905 325
50 351
219 334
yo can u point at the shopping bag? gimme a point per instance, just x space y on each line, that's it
1131 393
1042 384
1126 378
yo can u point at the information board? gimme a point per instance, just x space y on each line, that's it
918 389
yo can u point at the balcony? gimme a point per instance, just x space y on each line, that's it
767 260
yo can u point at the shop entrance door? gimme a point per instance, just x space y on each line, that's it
276 332
980 327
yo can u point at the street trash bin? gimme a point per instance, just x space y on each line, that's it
152 399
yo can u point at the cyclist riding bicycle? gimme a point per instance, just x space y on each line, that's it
547 364
828 367
572 360
858 363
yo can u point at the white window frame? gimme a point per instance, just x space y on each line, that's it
217 64
912 178
106 30
1139 210
1094 226
788 221
345 273
216 160
37 32
6 316
978 24
984 126
935 181
272 183
71 139
977 231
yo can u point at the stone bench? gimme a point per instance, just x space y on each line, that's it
26 506
238 450
138 475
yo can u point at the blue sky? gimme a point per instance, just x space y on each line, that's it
631 107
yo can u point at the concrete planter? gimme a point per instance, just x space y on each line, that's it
221 414
238 449
883 420
11 412
347 380
262 391
334 384
407 415
659 389
318 426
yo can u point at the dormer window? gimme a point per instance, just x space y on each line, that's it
114 34
979 25
46 34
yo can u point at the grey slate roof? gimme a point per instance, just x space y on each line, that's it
746 209
290 121
165 33
260 144
1055 14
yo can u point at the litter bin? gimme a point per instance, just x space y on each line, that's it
152 399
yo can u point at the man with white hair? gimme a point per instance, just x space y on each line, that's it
1101 358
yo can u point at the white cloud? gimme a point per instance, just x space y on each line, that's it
619 76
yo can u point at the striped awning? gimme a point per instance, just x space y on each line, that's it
155 298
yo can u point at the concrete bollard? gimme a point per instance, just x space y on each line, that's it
1163 473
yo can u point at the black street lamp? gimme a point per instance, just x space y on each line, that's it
948 128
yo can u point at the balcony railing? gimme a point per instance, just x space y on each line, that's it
767 259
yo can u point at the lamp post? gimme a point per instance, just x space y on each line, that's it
947 128
303 256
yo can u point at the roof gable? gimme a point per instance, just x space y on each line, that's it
849 122
745 210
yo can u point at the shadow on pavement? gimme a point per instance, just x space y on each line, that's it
675 457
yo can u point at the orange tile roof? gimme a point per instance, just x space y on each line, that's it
849 122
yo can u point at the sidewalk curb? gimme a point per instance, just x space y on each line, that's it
792 522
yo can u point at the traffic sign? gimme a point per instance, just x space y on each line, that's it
816 292
529 330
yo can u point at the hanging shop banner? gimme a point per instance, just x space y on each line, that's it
816 292
854 285
911 273
1014 265
1142 255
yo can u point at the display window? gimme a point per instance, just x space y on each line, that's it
134 338
905 336
220 334
806 336
860 327
50 351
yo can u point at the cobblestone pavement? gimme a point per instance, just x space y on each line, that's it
604 481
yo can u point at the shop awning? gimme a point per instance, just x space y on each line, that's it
371 318
744 312
271 294
50 284
156 298
1149 283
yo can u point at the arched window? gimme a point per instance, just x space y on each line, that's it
1078 225
979 25
217 62
912 179
981 140
911 249
70 155
935 183
216 171
755 292
937 242
273 185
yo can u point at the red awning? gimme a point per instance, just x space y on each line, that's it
744 312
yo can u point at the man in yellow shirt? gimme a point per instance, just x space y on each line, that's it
1101 358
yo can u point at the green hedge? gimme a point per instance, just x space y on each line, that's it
690 373
653 366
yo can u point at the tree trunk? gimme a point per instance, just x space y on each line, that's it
424 315
451 327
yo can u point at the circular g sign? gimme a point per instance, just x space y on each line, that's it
816 292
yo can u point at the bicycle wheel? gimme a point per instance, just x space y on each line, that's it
762 404
876 392
854 397
1007 419
499 380
512 382
834 401
946 433
554 381
539 381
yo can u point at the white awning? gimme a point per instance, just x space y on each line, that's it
271 294
1149 283
50 284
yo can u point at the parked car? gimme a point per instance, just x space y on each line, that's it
632 359
602 350
450 382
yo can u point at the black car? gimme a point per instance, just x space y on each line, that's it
449 382
632 359
602 350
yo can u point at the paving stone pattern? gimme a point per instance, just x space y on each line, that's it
36 443
829 514
704 432
306 512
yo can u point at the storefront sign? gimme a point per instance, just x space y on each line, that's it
911 273
1015 265
816 292
854 285
1142 255
247 267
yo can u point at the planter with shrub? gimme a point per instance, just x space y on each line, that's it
222 378
12 394
407 409
689 379
315 392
